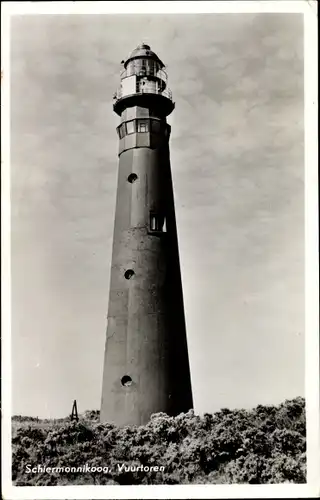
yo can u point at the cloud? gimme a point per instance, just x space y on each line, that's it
237 163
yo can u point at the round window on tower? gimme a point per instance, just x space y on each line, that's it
128 274
126 381
132 178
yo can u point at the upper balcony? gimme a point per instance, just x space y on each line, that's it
144 93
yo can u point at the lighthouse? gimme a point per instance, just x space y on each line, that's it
146 364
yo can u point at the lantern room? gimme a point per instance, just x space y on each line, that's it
142 79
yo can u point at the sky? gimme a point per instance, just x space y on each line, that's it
237 158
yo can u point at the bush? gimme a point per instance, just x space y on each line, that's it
259 446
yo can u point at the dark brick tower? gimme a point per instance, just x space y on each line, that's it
146 366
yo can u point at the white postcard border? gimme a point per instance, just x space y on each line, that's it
312 487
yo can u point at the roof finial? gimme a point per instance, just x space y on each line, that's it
143 46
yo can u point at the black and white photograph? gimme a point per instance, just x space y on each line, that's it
160 236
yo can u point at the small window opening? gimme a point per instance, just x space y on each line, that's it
132 178
155 126
142 126
122 131
157 223
153 223
128 274
130 127
126 381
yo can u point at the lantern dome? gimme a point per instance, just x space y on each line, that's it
143 51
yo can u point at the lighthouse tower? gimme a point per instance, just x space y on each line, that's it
146 365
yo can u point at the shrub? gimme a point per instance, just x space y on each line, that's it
259 446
